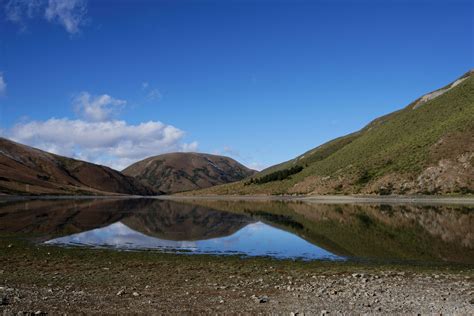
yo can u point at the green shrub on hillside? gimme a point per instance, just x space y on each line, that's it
276 176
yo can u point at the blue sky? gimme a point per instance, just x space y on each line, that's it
261 81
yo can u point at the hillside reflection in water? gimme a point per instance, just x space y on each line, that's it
402 232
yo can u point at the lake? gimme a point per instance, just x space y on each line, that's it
404 232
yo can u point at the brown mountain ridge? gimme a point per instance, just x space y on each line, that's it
29 171
178 172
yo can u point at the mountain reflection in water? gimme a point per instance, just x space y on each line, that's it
425 233
255 239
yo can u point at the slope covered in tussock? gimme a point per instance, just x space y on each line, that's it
426 147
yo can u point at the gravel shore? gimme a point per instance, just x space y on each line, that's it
332 199
56 280
385 292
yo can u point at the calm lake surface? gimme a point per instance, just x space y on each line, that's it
284 230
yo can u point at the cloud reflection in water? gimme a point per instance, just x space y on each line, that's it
256 239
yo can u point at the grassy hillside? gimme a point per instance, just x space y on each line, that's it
427 147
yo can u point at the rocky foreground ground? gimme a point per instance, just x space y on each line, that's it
40 280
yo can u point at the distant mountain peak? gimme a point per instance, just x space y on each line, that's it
184 171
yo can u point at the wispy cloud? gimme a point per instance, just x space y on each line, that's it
3 85
152 94
18 11
97 108
189 147
99 138
71 14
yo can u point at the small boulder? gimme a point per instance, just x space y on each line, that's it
260 299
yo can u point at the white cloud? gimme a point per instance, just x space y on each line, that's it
18 11
191 147
98 137
3 85
69 13
113 143
97 108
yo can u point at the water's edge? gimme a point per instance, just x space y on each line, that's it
327 199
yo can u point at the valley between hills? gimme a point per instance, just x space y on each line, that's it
394 199
426 148
236 157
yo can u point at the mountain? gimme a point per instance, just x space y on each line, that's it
177 172
29 171
52 218
48 218
425 148
171 220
